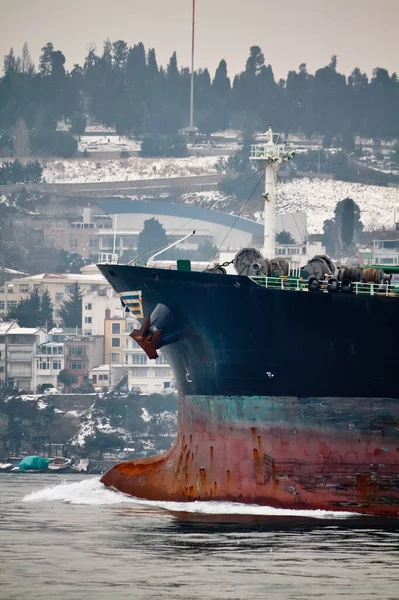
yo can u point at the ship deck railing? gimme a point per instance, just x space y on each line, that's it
301 285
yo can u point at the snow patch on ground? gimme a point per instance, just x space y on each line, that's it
107 143
129 169
145 415
210 199
92 420
318 198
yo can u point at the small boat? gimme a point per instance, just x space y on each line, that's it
59 464
33 464
4 467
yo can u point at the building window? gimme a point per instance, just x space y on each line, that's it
88 306
87 319
162 373
139 359
57 365
161 360
2 305
77 351
116 328
126 359
69 288
88 332
139 372
43 364
23 289
11 304
78 366
115 343
59 296
93 242
115 357
103 377
73 241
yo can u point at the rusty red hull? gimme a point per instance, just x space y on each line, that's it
313 453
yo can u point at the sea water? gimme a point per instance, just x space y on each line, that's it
68 537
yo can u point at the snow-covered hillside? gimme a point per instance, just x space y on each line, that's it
128 169
318 198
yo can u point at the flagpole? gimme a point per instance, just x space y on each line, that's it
192 70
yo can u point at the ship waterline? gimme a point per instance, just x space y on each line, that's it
287 452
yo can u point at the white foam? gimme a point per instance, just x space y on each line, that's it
89 491
93 492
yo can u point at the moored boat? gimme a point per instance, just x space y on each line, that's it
59 464
33 464
5 467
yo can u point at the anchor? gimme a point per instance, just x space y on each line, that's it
159 329
148 341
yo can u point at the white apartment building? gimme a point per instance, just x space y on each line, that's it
386 252
5 327
48 363
298 255
94 306
21 349
59 286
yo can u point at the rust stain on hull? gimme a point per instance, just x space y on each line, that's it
271 464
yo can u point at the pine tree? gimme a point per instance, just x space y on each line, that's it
151 239
285 237
27 311
46 311
45 59
33 308
71 310
152 65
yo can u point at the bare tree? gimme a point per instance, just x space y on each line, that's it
26 63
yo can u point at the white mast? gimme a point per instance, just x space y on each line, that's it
192 70
273 155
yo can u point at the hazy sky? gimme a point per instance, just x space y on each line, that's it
362 33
